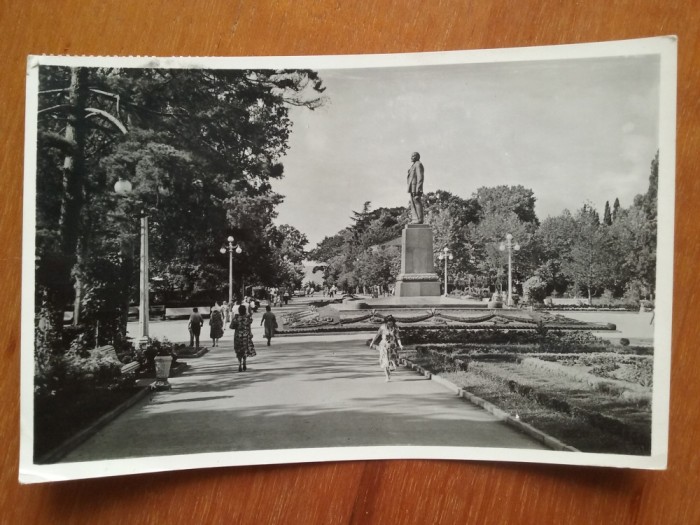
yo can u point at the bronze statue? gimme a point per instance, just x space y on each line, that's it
415 187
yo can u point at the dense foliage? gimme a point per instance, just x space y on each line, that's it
199 149
576 254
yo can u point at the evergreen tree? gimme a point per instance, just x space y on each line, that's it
607 217
616 209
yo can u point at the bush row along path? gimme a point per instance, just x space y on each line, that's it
303 391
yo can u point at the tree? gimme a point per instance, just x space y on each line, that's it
293 242
378 267
181 151
508 199
328 248
607 217
452 219
616 209
554 239
492 262
585 262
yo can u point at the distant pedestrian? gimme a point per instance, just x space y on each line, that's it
242 337
194 325
285 296
270 322
216 324
388 338
226 313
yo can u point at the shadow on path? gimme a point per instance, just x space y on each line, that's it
296 394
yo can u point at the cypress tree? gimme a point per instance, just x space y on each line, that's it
607 218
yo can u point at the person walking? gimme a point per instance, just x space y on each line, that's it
242 337
270 322
194 325
226 313
387 337
216 324
286 297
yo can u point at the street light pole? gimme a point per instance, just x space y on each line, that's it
123 187
143 294
510 246
446 254
230 249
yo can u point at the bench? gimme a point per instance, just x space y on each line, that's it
172 313
110 354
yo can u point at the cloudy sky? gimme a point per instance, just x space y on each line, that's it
571 130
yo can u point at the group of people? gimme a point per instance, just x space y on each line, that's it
330 292
239 318
279 296
387 339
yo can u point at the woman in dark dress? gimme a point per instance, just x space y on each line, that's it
216 324
242 337
270 322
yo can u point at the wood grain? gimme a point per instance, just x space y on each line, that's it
354 492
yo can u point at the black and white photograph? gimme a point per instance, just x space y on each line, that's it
459 255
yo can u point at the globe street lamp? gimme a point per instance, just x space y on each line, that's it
510 246
446 254
123 187
230 248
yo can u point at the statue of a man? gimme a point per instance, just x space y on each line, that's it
415 187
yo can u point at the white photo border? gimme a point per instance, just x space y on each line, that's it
665 47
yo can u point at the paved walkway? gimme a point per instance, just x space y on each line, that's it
302 391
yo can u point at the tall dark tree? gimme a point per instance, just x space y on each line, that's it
616 209
607 217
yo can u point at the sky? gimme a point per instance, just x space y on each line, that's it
573 131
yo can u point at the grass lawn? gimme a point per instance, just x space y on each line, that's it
590 416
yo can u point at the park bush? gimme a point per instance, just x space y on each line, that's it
77 369
535 289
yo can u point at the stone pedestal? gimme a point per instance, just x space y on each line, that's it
417 277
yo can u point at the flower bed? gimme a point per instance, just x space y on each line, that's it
546 340
596 401
579 307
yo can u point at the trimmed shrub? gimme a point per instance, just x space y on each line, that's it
535 289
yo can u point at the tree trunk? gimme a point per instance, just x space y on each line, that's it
74 163
78 287
57 294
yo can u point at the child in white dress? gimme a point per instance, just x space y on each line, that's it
388 338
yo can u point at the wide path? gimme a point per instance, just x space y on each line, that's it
300 392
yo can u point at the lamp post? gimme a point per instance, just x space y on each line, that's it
123 187
510 246
445 254
230 248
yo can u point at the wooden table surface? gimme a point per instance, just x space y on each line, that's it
361 491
